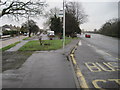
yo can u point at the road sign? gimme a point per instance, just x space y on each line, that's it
61 13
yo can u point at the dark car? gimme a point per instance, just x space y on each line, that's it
87 36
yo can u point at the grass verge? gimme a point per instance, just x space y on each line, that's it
9 46
48 45
26 38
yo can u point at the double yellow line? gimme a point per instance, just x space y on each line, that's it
79 75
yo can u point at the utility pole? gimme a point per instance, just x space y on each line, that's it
63 25
62 14
28 22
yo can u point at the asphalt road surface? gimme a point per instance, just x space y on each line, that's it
97 58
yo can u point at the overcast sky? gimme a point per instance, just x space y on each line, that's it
98 11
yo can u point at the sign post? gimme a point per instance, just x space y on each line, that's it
62 14
63 25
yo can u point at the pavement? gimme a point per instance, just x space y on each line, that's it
17 47
4 43
43 69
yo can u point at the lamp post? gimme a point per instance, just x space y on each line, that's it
62 14
63 25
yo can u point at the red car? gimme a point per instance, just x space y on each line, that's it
87 36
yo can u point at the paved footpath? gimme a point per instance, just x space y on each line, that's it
10 41
44 69
18 46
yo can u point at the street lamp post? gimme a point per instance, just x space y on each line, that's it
63 25
62 14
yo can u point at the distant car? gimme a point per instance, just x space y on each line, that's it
87 36
25 34
50 34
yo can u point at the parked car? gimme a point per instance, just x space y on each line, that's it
87 36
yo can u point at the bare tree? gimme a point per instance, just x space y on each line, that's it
30 26
50 14
74 17
20 8
76 9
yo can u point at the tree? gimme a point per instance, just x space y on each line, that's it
110 28
75 9
53 20
35 29
75 16
70 24
20 8
56 24
50 14
31 26
23 29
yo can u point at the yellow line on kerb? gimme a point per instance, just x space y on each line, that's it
82 81
73 51
73 59
117 58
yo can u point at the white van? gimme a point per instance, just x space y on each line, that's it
50 33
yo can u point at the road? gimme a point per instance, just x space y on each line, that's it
97 59
108 44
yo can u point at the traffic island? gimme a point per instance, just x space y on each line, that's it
46 46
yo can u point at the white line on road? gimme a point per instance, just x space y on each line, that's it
80 43
99 51
102 52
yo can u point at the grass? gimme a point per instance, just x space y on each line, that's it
9 46
71 38
51 45
26 38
